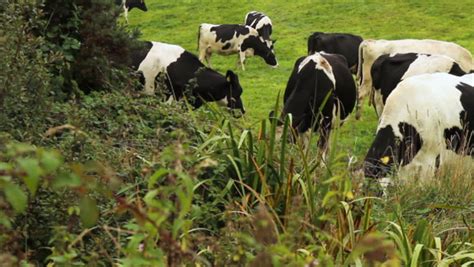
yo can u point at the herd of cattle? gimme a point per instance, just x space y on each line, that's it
421 89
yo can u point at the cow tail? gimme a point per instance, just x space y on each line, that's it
359 64
199 36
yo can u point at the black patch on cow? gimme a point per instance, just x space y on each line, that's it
291 84
140 4
336 43
387 71
383 147
345 91
438 161
260 49
454 138
456 70
459 140
138 54
410 144
226 46
226 32
387 150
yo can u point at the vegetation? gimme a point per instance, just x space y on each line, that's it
96 174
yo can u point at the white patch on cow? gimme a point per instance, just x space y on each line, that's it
321 64
430 103
429 64
223 102
370 50
159 57
170 100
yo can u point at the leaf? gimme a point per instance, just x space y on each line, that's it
5 220
50 160
416 255
33 171
16 197
5 166
89 211
65 179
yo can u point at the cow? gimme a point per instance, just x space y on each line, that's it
389 70
370 50
260 22
319 89
130 4
186 76
229 39
336 43
428 121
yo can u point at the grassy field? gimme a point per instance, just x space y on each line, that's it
177 22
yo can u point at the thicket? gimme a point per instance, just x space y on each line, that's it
92 173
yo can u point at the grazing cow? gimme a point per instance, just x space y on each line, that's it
389 70
229 39
186 75
428 121
320 86
370 50
336 43
130 4
260 22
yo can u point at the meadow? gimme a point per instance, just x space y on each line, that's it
177 22
94 173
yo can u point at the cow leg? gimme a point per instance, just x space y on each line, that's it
203 54
324 132
149 84
125 13
242 59
208 59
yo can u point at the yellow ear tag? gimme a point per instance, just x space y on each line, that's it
385 159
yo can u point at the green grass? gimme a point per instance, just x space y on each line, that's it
177 22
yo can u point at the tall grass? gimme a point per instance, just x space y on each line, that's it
321 206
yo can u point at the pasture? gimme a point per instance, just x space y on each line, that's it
178 22
94 172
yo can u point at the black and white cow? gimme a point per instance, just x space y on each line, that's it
319 82
389 70
130 4
428 121
260 22
336 43
229 39
185 72
370 50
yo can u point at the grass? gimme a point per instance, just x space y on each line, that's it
177 22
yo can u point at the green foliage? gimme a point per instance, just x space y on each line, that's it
95 49
24 75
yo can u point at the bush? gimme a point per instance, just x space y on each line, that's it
24 74
96 49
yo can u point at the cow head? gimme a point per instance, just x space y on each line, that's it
234 102
261 48
392 147
140 4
